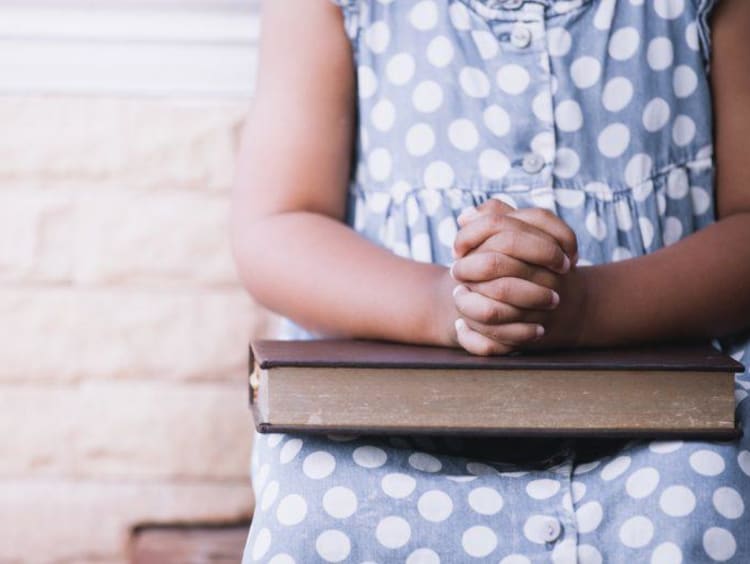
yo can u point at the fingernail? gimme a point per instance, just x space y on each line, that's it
451 270
539 331
575 259
566 264
555 298
460 289
453 253
459 324
468 213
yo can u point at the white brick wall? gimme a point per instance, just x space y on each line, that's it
124 330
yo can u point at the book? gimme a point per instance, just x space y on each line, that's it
366 386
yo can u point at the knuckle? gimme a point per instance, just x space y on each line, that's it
487 313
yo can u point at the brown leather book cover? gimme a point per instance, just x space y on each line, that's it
385 354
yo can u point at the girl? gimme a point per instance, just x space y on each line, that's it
604 203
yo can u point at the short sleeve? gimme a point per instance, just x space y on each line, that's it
705 9
350 10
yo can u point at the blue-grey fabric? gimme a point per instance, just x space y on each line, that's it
598 110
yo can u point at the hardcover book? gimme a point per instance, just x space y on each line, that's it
369 386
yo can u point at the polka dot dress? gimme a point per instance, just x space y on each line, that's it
599 111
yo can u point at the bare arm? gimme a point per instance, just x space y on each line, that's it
294 252
700 286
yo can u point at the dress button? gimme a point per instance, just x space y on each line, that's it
552 530
533 163
520 37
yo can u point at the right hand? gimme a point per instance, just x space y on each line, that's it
510 265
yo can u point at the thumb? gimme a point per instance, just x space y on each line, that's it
490 206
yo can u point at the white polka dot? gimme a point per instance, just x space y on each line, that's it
486 43
604 15
559 41
463 134
340 502
542 489
541 105
420 139
377 37
707 462
615 468
427 96
617 94
664 447
683 131
669 9
397 485
274 439
318 465
570 198
479 541
497 120
393 532
567 163
262 476
588 554
486 501
586 467
440 51
728 503
684 81
691 36
624 43
534 528
369 456
624 217
292 510
701 200
383 115
460 17
642 483
421 247
513 78
269 495
544 144
589 516
515 559
660 53
614 140
424 15
379 164
290 450
447 231
282 558
564 552
621 253
646 229
579 490
333 545
743 459
636 532
435 506
565 6
678 184
656 114
400 69
666 553
438 175
568 116
262 543
378 202
423 556
493 164
719 544
585 72
474 82
596 226
672 231
638 169
424 462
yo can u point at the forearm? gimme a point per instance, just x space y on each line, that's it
697 288
325 276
